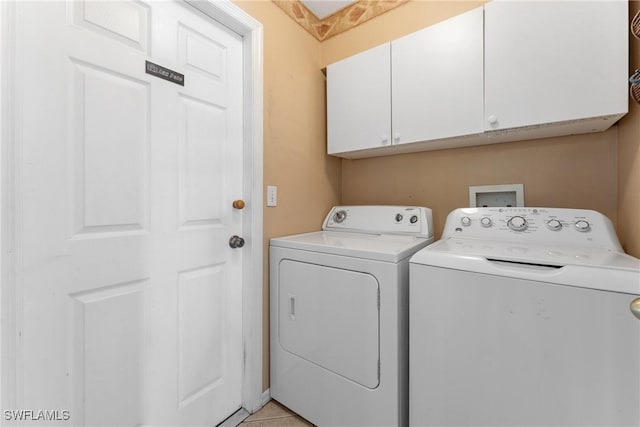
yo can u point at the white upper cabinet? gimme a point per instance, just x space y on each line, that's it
512 71
555 61
437 81
359 101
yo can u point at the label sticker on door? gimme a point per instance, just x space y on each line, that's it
164 73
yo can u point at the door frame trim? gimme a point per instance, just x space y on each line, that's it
251 31
8 207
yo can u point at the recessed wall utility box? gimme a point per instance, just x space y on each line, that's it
496 196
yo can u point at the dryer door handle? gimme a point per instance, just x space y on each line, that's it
292 307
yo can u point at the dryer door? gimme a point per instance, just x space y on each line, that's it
331 317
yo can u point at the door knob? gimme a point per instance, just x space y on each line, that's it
238 204
236 242
635 307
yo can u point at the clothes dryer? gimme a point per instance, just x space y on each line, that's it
524 316
339 315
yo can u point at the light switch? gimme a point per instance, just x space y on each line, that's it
272 195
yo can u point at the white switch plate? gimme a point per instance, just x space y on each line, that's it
272 195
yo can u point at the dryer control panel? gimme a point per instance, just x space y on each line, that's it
567 227
406 220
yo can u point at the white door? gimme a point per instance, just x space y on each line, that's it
131 296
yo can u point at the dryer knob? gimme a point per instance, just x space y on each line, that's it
554 225
486 221
517 223
583 225
466 221
340 216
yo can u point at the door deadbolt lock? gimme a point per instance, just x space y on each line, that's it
236 242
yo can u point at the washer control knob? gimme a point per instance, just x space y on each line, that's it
486 221
340 216
554 225
583 225
398 217
517 223
413 219
466 221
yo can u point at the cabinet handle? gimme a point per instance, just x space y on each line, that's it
385 139
396 137
492 119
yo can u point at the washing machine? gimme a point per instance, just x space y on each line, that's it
525 316
339 315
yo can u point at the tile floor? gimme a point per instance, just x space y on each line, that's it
274 414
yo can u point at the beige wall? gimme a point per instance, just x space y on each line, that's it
577 171
629 161
294 136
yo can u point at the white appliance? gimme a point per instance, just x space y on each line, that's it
521 316
339 315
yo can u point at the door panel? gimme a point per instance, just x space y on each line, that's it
108 352
202 166
201 339
125 22
132 298
109 115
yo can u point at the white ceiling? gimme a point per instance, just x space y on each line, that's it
324 8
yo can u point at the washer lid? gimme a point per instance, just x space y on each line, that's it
527 253
379 247
594 268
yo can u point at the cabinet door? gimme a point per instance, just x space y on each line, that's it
359 101
437 80
552 61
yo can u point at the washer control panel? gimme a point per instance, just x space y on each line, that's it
543 225
412 220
